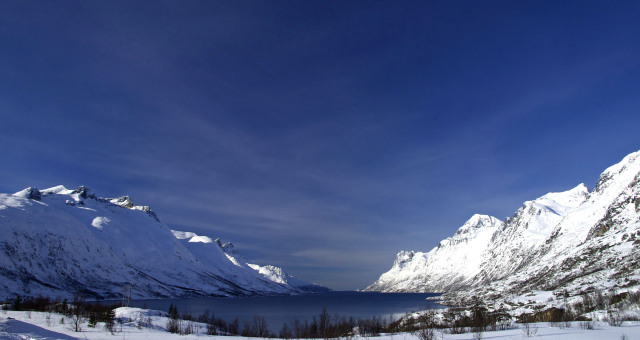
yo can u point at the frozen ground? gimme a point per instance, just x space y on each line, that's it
35 325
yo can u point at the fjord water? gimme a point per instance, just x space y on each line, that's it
280 309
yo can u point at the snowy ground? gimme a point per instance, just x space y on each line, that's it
34 325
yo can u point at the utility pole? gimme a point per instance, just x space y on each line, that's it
126 296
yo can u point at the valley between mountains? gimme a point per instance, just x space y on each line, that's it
562 245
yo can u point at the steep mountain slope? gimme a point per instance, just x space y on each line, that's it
58 241
277 274
226 255
560 241
452 263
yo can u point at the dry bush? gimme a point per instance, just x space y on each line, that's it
529 330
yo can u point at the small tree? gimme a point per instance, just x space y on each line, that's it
212 329
174 326
17 303
109 323
323 323
285 333
614 318
92 320
529 330
64 307
188 328
479 317
77 314
234 327
173 311
260 327
426 327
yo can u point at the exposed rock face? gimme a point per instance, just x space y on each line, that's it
123 201
560 241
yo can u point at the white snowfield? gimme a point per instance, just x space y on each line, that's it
57 242
135 325
561 241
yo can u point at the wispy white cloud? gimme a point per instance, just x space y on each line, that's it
325 144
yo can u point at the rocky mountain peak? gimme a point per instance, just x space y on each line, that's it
403 257
123 201
628 168
84 192
478 221
227 247
31 193
546 245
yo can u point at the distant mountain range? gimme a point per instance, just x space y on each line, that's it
57 242
571 242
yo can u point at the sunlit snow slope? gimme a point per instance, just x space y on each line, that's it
58 242
560 241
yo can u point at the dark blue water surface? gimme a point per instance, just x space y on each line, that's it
280 309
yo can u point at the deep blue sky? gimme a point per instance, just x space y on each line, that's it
320 136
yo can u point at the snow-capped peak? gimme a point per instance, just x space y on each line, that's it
562 240
29 193
60 189
622 172
477 222
123 201
100 245
570 198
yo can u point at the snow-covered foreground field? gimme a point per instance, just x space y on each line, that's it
35 325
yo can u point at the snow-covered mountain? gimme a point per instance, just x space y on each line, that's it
58 242
451 263
202 246
561 241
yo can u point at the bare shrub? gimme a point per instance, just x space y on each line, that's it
234 327
77 313
188 328
174 326
600 300
529 330
587 325
260 327
456 320
285 332
109 325
504 324
426 330
614 319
